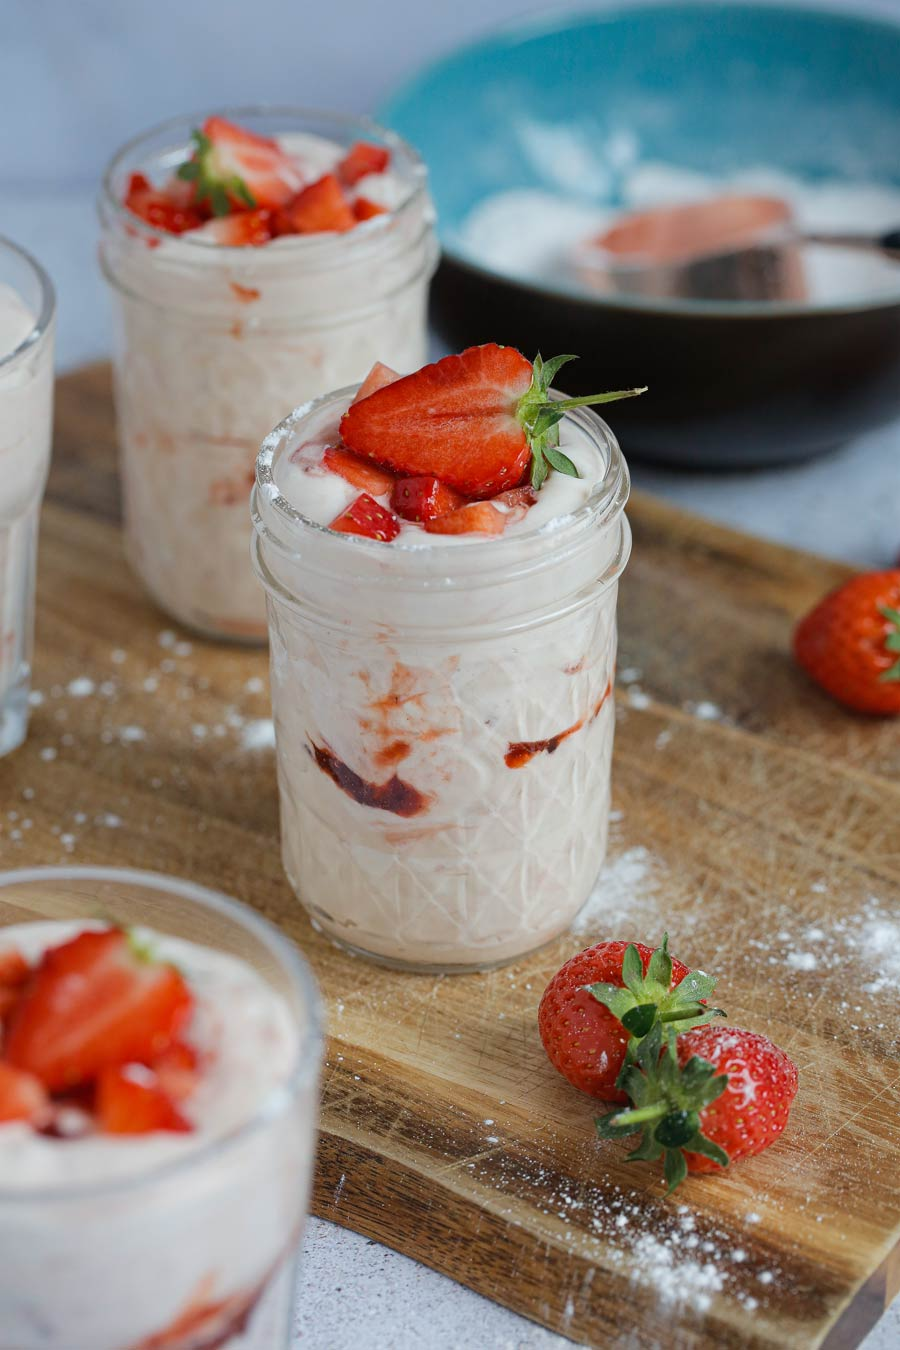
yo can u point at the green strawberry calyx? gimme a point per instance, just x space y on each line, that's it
539 415
210 185
891 641
666 1101
648 999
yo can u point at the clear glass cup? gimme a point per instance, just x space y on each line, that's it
213 345
443 717
27 310
198 1249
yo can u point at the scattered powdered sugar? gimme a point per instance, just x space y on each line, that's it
706 711
258 734
675 1279
867 936
82 687
627 886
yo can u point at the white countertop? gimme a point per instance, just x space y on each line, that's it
79 79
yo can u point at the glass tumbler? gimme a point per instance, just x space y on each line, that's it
213 345
27 308
443 718
185 1250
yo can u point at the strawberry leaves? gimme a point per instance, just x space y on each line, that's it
539 413
891 641
211 186
647 999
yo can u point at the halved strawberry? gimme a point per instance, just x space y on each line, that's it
233 168
318 208
476 518
378 377
238 231
366 517
361 159
95 1001
424 498
158 208
474 421
177 1069
362 473
14 973
22 1096
364 208
130 1100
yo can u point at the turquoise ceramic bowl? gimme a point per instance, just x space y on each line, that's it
564 104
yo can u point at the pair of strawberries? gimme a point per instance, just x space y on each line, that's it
633 1026
100 1023
240 189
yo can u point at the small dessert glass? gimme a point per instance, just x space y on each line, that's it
191 1252
26 416
444 718
213 345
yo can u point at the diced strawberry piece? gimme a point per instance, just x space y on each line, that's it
93 1002
178 1070
366 517
424 498
14 973
22 1096
239 230
234 168
131 1100
364 208
361 159
378 377
516 497
456 419
318 208
362 473
157 208
476 518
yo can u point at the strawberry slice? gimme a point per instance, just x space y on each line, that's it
233 168
424 498
362 473
160 209
474 421
131 1100
318 208
378 377
476 518
361 159
95 1001
177 1070
14 973
366 517
364 208
22 1096
238 231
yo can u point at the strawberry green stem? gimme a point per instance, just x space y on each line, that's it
640 1114
587 399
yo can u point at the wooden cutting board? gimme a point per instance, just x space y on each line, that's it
754 820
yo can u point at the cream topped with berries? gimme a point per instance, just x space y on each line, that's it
470 446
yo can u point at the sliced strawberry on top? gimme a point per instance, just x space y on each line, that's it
96 1000
476 518
378 377
233 169
131 1100
474 421
158 208
424 498
177 1070
368 518
362 473
319 208
22 1096
243 229
361 159
14 974
365 209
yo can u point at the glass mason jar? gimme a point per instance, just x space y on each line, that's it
197 1247
27 318
214 344
444 718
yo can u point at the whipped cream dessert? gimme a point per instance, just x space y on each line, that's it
26 404
216 340
442 700
149 1204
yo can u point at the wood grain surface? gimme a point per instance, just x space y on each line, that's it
754 820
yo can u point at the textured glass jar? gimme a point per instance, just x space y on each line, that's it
213 345
27 309
444 719
193 1249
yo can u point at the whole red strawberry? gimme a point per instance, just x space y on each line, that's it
583 1038
850 643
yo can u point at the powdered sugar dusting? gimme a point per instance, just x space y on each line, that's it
626 889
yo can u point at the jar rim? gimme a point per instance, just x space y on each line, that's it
44 318
317 244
